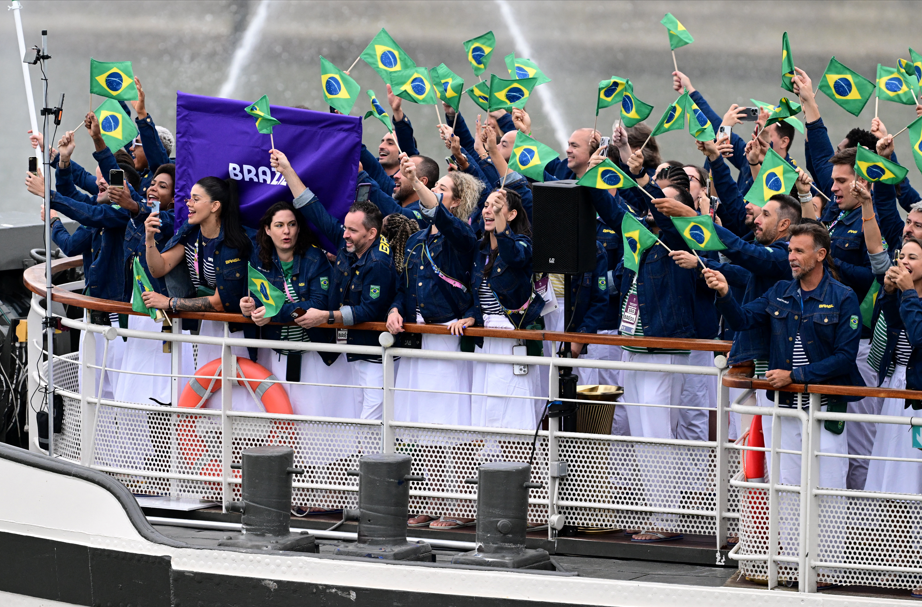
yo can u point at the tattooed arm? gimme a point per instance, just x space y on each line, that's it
212 303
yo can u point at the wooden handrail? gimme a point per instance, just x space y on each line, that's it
745 383
34 280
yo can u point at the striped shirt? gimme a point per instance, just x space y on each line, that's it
878 346
638 330
207 259
800 359
488 302
291 332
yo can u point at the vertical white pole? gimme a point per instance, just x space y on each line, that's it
388 440
16 6
773 501
723 456
228 379
810 520
88 409
553 455
175 369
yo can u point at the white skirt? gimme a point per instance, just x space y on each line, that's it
895 440
317 401
498 378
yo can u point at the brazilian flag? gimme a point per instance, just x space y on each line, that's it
507 94
637 239
867 305
894 85
530 156
698 124
524 68
115 126
139 286
611 91
873 168
787 65
114 80
909 72
785 109
265 291
260 111
916 60
674 117
480 94
849 89
775 177
377 110
385 56
606 176
340 91
479 50
699 233
797 124
448 85
633 110
678 35
413 85
915 136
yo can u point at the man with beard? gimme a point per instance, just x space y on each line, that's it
405 200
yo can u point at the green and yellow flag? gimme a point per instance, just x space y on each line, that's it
448 85
872 167
479 50
678 35
115 126
524 68
916 60
260 111
606 176
787 64
507 94
797 124
698 124
114 80
413 85
377 110
908 70
339 90
867 305
674 117
775 177
385 56
611 91
785 109
699 233
915 136
894 85
140 285
265 291
633 110
637 239
480 94
849 89
529 157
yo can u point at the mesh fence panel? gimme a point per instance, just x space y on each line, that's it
67 377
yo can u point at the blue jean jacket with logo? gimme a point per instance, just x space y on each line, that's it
829 324
589 296
510 277
452 250
902 311
849 252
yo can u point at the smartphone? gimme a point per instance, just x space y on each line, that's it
361 192
896 258
724 131
748 114
450 160
155 207
33 165
603 145
518 369
298 313
117 178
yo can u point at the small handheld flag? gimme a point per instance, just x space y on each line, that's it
849 89
915 135
413 85
385 56
908 70
785 109
892 86
775 177
606 176
797 124
699 233
377 110
674 117
611 91
448 85
339 90
114 80
480 94
787 65
916 60
114 125
141 285
508 94
678 35
530 156
633 110
637 239
260 111
265 291
524 68
698 124
872 167
479 51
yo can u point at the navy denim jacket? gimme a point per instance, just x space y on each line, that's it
849 252
388 204
510 277
589 296
903 311
829 323
84 241
453 250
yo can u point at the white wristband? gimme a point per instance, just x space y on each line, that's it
805 198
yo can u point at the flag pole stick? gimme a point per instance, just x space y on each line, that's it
503 185
272 140
438 114
900 132
645 192
663 244
595 124
818 191
353 64
914 98
455 121
876 103
649 137
699 260
399 152
674 63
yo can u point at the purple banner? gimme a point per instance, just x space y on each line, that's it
216 137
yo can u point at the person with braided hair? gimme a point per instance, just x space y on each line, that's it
396 230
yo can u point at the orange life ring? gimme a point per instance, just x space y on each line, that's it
754 461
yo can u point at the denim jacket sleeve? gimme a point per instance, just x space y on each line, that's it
317 268
153 148
457 232
766 261
736 276
403 131
845 348
74 244
90 215
820 150
465 136
520 186
505 123
598 295
859 278
64 183
514 249
609 208
83 179
888 217
106 160
386 203
375 171
911 313
732 209
740 318
488 169
320 218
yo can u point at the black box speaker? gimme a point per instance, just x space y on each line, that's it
564 230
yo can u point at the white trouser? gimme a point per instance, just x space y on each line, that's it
371 376
833 470
861 434
699 391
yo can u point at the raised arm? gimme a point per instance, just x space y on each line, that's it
307 202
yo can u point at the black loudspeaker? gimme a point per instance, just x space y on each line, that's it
564 230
